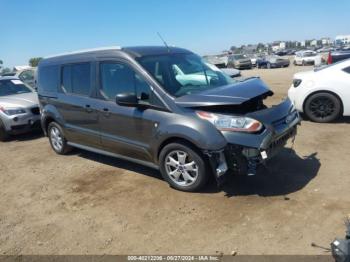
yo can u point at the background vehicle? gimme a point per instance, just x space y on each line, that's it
307 57
253 58
239 61
218 60
162 107
337 56
323 94
19 109
272 61
281 53
27 76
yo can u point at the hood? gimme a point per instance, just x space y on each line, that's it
234 94
21 100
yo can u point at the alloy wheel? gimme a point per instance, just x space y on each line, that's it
181 169
56 139
322 107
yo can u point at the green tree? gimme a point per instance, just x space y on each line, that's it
33 62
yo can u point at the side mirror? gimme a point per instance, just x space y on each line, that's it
126 99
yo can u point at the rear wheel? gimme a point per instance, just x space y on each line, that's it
3 134
57 140
183 167
323 107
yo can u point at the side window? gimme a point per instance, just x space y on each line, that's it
347 69
48 78
76 79
119 78
116 78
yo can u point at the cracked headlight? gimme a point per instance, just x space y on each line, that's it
231 123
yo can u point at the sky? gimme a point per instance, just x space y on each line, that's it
38 28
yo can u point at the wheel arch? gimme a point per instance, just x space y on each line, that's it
325 91
177 139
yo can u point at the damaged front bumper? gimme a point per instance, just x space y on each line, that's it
244 152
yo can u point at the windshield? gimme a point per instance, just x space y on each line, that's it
13 87
183 74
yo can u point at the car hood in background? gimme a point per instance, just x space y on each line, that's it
20 100
234 94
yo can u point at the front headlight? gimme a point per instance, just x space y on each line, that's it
12 111
231 123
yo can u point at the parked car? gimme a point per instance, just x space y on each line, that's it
27 76
218 60
253 58
337 56
323 94
272 61
307 57
129 103
19 108
239 61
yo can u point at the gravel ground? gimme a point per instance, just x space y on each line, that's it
84 203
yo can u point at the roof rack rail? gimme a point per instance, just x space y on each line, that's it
85 51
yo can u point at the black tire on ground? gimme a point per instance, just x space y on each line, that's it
3 134
65 148
322 107
193 155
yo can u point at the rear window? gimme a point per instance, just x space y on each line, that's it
48 79
76 79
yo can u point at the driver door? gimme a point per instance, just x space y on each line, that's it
124 130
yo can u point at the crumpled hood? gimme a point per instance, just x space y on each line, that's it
234 94
21 100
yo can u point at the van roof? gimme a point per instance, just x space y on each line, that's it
136 51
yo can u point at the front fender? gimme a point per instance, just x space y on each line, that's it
50 112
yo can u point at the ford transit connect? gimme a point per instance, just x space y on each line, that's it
162 107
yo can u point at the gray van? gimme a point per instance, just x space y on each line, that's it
162 107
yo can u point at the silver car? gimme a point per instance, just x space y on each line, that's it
25 75
19 109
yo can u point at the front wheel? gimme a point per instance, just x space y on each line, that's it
57 140
183 167
322 107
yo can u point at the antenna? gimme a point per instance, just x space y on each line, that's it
161 38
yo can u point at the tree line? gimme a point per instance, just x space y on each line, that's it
33 62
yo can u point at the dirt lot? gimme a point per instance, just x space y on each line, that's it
85 203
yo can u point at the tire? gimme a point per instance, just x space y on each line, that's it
3 134
173 159
323 107
57 140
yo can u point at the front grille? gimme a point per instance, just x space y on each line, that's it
35 111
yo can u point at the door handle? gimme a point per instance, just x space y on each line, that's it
106 112
88 108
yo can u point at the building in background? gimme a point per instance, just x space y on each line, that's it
313 42
326 41
342 40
